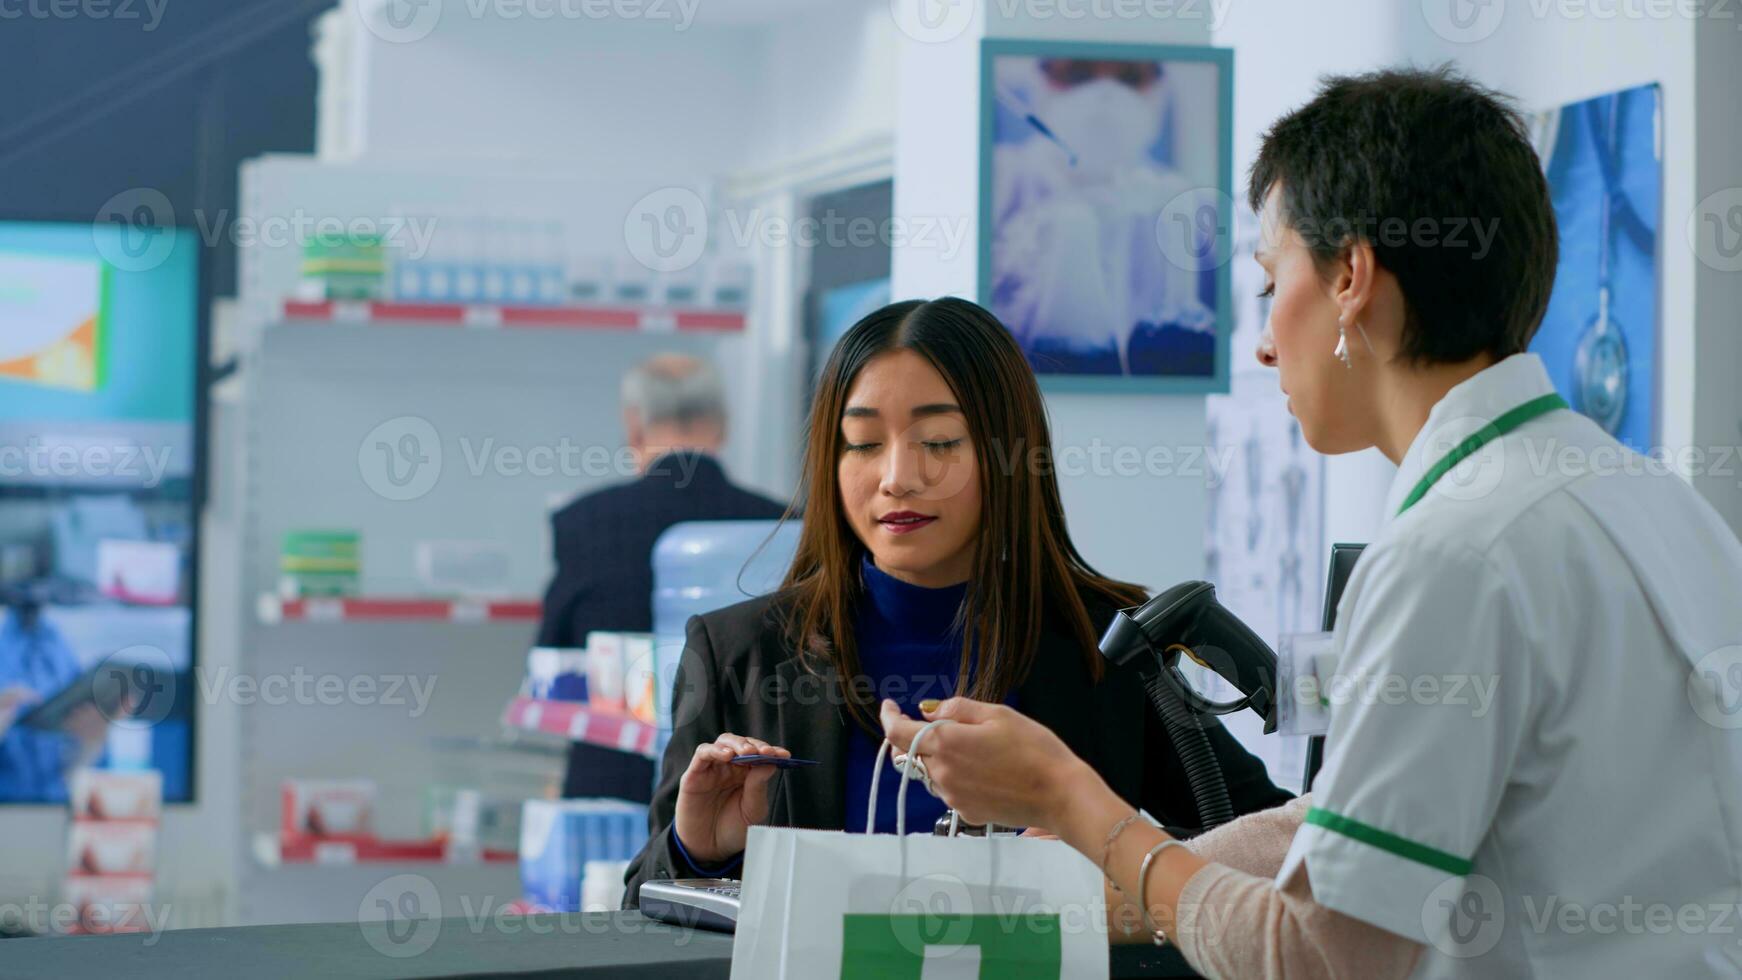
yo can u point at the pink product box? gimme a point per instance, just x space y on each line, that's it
605 670
328 807
101 794
101 905
98 848
639 674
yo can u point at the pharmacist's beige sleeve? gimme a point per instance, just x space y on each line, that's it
1255 843
1236 925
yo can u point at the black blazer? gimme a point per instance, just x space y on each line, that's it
604 580
604 544
738 674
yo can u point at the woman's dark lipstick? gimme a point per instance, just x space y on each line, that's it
904 521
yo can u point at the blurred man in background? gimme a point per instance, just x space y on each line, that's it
674 413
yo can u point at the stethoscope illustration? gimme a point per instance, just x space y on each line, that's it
1600 362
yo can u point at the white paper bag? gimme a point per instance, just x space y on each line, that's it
832 904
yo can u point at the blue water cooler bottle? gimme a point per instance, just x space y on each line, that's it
701 566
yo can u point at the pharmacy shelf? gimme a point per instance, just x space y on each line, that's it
272 850
274 609
579 721
313 379
494 316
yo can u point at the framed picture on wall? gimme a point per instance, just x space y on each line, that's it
1603 158
1106 211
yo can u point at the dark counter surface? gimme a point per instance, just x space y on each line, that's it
595 944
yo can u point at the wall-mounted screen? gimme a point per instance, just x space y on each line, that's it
99 415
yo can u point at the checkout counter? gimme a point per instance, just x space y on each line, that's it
594 944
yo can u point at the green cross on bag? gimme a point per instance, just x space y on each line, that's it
892 947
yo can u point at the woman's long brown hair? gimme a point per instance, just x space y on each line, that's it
1025 565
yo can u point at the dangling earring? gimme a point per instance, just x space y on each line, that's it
1342 350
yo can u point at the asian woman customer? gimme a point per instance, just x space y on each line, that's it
933 561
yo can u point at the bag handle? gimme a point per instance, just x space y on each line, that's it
906 777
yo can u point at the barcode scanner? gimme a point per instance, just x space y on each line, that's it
1187 619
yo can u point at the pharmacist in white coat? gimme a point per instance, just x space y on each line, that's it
1545 776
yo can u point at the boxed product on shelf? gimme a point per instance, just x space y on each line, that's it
517 259
98 847
589 279
727 285
469 816
328 807
465 568
559 837
107 794
542 666
343 267
682 287
640 687
105 905
320 563
602 886
631 283
605 670
556 674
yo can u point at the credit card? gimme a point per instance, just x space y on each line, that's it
771 760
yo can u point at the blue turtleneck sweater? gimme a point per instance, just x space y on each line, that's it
909 649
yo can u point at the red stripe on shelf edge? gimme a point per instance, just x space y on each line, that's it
432 609
372 608
554 716
710 321
570 316
444 313
397 608
308 311
401 851
303 850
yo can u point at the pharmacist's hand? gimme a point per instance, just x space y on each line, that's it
994 765
718 802
13 701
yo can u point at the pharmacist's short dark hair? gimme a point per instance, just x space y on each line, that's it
1438 174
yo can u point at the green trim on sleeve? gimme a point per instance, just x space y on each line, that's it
1403 847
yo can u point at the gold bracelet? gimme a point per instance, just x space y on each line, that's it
1143 887
1107 848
